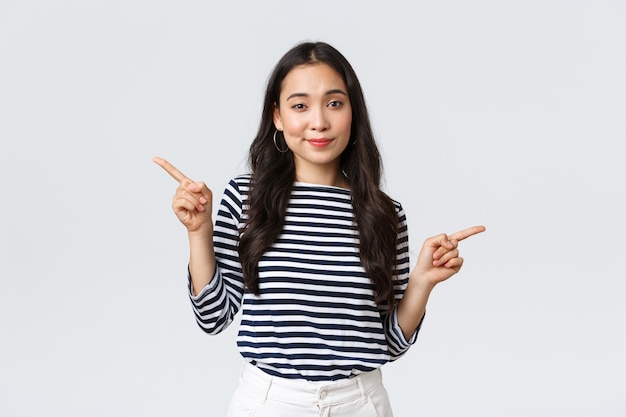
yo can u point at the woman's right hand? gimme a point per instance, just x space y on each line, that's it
192 202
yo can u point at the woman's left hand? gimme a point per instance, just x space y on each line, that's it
439 257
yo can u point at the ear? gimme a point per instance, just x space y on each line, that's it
277 120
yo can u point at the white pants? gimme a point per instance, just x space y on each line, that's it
263 395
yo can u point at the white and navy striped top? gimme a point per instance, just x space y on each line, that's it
315 318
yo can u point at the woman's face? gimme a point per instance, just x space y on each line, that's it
315 115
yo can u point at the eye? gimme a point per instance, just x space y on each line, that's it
335 103
298 106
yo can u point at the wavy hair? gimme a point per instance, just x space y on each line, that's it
273 177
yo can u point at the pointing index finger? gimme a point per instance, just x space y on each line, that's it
170 169
465 233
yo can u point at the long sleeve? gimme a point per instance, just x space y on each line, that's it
218 302
396 342
316 317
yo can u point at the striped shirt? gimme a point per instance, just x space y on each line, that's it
315 317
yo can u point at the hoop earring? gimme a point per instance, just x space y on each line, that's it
276 145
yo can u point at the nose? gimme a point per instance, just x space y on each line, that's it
319 121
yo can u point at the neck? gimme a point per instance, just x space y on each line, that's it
332 177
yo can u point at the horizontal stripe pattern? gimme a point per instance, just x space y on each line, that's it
315 318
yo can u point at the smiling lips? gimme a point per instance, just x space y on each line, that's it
319 142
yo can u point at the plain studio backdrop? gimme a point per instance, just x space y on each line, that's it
508 114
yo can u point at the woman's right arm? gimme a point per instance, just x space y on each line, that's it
192 204
201 259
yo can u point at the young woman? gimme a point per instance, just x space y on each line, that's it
311 250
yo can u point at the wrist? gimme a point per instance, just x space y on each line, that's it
417 282
201 234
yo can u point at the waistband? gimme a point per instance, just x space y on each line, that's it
296 391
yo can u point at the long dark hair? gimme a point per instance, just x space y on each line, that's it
273 176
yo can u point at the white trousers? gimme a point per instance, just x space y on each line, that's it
263 395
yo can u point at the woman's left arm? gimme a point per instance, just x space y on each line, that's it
438 260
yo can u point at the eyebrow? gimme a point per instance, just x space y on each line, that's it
328 93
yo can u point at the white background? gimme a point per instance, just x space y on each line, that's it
509 114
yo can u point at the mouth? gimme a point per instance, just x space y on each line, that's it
319 142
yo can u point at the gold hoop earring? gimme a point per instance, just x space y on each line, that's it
276 145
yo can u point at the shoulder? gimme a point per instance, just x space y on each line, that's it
237 189
240 184
241 180
396 204
399 212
